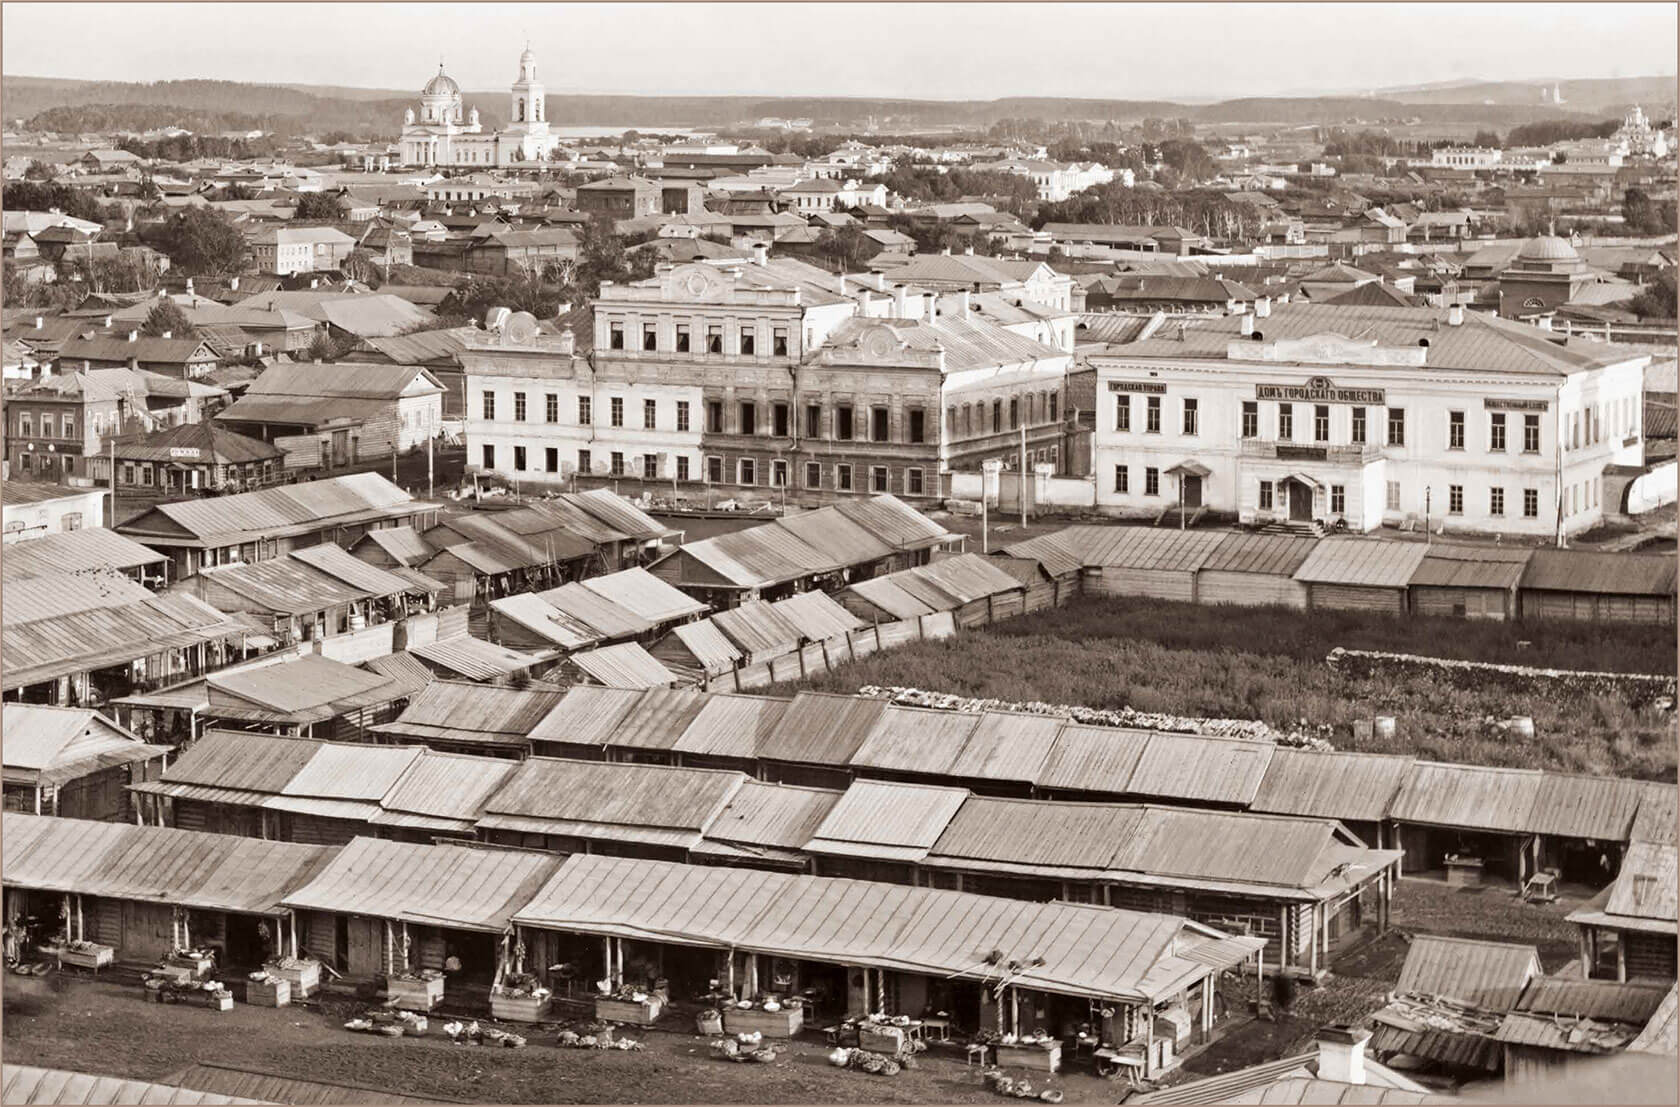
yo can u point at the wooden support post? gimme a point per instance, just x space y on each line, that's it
729 970
390 957
1312 933
1586 957
294 929
1014 1010
81 923
1284 950
607 946
1621 957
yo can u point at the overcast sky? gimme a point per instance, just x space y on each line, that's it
935 51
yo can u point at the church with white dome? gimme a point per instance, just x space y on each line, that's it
446 135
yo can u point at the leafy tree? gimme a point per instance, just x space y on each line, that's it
1487 138
320 206
1546 132
1656 300
39 171
49 196
166 316
202 241
849 248
1642 215
359 265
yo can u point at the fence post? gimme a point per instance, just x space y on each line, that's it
877 637
991 611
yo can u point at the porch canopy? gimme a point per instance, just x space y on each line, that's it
1190 469
1071 949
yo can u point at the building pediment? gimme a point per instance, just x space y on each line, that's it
1326 348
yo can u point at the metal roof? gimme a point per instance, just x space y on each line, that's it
815 615
1229 848
536 614
822 728
626 665
346 771
447 789
968 576
886 594
1007 745
462 711
1036 836
40 736
602 799
28 1085
1486 974
1269 554
921 587
47 648
311 687
748 559
587 606
273 512
461 887
1577 806
49 597
74 551
227 1079
336 562
403 544
402 667
1331 785
708 646
586 715
829 529
1200 769
1616 574
280 586
1367 562
1472 797
619 513
778 817
1137 547
1093 758
1645 886
1631 1001
1048 550
887 821
732 725
261 763
916 740
657 719
644 595
155 864
1471 567
757 629
894 522
474 658
1655 819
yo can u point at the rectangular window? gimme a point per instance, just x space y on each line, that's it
489 456
878 478
519 458
1054 397
69 425
1455 430
1190 414
615 336
1455 499
489 405
1122 413
586 464
1321 423
26 424
1265 495
1250 419
1496 432
997 415
1531 503
586 412
813 421
813 474
1338 499
650 336
1122 479
682 415
551 408
780 418
778 473
1393 495
843 477
1152 481
749 340
1358 436
877 424
551 460
749 419
682 466
650 414
1575 430
682 338
1496 501
913 482
1396 426
714 470
1286 422
746 471
650 466
918 425
1531 434
519 407
843 423
128 472
146 471
1014 412
1152 415
714 340
617 463
714 416
779 342
615 411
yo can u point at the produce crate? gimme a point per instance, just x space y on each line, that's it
518 1008
198 967
92 958
772 1024
268 993
881 1039
413 995
1030 1057
624 1010
181 974
305 979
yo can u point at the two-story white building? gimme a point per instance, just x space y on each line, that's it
1365 416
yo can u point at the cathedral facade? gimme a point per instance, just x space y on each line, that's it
445 135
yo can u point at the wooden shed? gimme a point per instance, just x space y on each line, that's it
1598 587
1360 574
1470 582
1142 561
1255 570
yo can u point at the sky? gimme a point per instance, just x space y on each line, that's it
912 50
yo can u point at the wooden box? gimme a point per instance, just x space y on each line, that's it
305 978
197 967
1464 872
268 993
881 1039
624 1010
413 995
87 958
1031 1057
181 974
772 1024
518 1008
218 1001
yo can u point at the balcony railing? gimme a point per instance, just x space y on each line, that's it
1272 449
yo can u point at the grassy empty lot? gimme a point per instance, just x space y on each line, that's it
1269 664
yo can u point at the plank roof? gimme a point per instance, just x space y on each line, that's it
645 595
732 725
1365 562
916 740
883 820
598 799
822 728
1473 797
586 715
1007 745
1490 975
625 665
28 1085
1198 769
75 551
1616 574
1330 784
463 711
1093 759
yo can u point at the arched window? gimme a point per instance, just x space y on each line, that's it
1534 302
521 113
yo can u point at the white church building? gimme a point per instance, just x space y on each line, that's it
445 135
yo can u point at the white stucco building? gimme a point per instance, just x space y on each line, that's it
1366 415
444 133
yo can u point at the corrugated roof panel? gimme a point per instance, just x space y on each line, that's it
1472 797
968 576
757 629
1093 759
402 544
336 562
1367 562
280 585
645 595
658 719
1199 769
1631 1001
626 665
1041 834
815 615
923 588
535 614
1007 745
1330 785
916 740
1270 554
1487 974
1618 574
615 794
286 1089
1228 846
466 887
95 639
351 772
730 725
822 729
619 513
1135 547
311 681
885 818
49 597
447 785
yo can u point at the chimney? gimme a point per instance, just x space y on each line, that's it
930 306
1262 307
568 341
108 320
864 300
880 282
962 304
233 284
968 251
168 334
1248 324
1341 1053
40 323
761 254
134 336
189 286
134 364
1455 315
901 302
